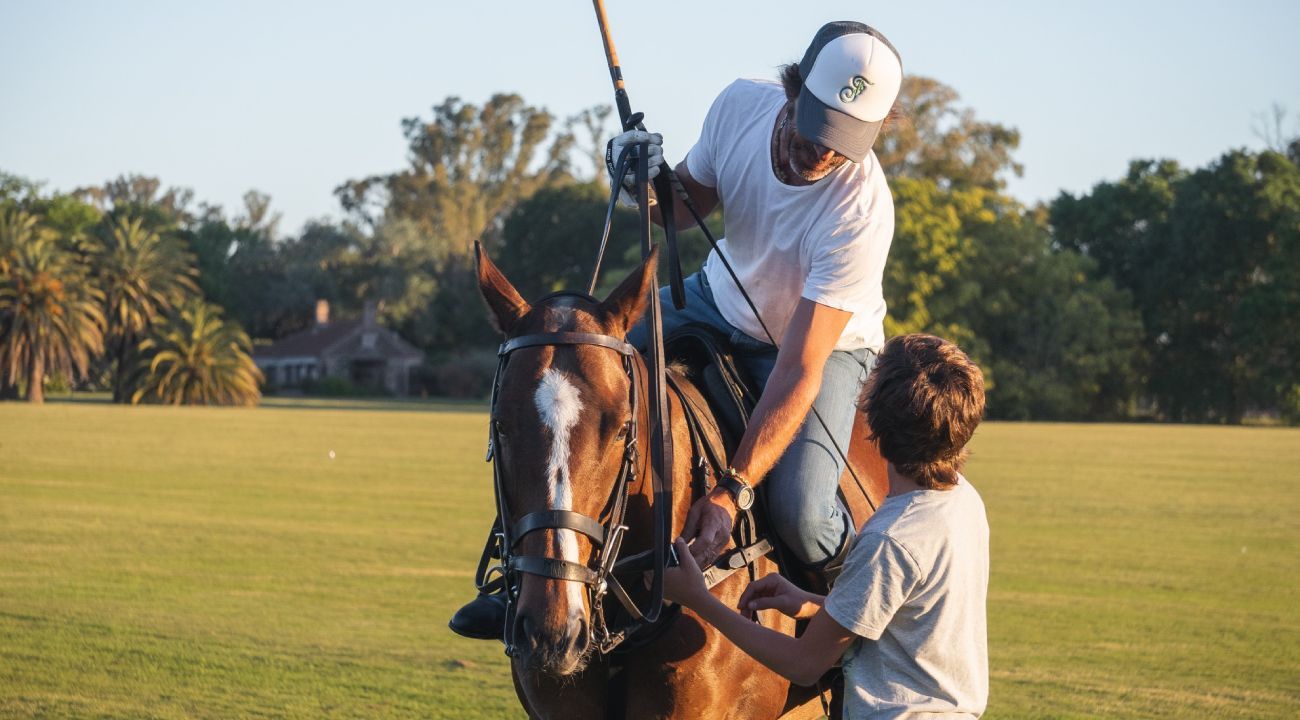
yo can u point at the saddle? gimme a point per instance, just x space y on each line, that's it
704 355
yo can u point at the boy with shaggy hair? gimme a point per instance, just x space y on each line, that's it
907 615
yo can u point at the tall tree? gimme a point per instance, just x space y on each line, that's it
51 322
1060 344
194 357
937 139
549 241
1236 230
17 191
143 274
243 268
70 218
468 166
932 241
143 197
974 266
1213 260
1122 226
258 217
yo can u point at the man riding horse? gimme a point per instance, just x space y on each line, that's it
809 220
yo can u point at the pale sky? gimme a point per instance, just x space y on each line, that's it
293 98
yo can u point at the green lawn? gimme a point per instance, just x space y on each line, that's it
193 562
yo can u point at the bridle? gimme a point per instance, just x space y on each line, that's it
607 537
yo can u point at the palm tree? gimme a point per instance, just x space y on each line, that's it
143 275
196 358
12 232
51 321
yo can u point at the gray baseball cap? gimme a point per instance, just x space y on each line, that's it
851 75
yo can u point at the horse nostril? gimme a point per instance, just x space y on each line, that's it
581 638
525 632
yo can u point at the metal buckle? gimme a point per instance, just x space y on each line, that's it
613 544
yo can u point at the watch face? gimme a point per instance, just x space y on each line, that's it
745 498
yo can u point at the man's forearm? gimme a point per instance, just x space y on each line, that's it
778 416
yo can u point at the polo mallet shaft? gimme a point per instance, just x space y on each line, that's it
615 72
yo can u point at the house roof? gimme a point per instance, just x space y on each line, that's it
313 341
386 344
341 337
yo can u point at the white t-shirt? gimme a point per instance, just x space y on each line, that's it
826 241
914 588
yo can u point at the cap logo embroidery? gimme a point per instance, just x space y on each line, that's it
856 87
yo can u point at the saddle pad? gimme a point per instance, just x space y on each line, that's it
707 358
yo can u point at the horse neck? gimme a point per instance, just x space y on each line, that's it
683 489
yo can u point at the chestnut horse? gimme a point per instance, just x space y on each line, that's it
561 417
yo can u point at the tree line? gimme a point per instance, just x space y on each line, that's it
100 288
1170 293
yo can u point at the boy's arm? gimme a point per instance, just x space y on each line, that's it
773 592
802 660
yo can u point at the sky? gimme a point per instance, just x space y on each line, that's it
293 98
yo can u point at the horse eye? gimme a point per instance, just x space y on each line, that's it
623 431
499 428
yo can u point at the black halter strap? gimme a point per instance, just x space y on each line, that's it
567 338
559 519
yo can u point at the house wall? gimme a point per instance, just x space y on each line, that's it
397 376
290 372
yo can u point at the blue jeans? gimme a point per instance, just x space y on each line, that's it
800 491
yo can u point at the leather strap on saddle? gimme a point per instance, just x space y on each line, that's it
734 561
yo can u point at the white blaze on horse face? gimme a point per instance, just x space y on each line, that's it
559 406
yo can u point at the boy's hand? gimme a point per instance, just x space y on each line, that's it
773 592
684 584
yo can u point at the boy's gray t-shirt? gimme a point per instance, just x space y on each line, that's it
914 588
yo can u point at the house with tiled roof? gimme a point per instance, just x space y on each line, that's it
358 350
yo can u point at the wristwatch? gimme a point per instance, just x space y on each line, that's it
734 483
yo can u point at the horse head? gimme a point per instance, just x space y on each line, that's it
564 431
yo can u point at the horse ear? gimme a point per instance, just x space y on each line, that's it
627 302
502 298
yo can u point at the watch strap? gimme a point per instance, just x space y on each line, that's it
734 483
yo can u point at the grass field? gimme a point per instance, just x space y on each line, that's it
163 563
